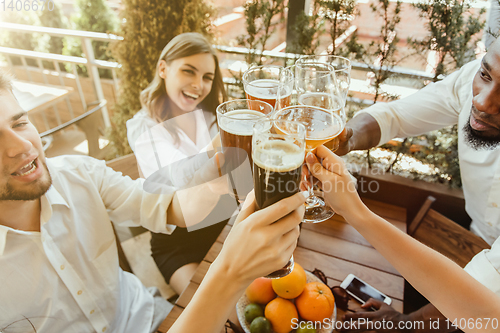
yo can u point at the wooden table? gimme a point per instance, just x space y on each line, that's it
334 247
35 97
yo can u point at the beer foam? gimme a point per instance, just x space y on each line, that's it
240 122
264 89
278 155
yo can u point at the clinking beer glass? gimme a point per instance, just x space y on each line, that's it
277 166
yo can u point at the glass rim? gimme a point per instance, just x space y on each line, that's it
324 73
342 122
242 100
273 120
279 68
348 61
298 135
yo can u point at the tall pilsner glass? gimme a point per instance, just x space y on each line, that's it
342 72
263 82
278 149
236 119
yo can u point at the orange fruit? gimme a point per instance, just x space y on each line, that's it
316 302
260 291
282 314
291 286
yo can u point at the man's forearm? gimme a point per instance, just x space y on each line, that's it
429 319
366 132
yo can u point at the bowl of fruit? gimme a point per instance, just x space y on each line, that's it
298 302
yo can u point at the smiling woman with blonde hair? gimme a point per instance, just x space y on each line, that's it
177 121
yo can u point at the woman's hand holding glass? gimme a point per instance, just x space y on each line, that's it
332 176
263 241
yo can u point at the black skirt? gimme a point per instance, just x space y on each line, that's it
180 248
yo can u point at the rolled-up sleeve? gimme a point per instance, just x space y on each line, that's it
485 267
436 106
128 204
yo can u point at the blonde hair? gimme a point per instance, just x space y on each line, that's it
154 98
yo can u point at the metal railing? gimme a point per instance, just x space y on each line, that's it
399 71
89 61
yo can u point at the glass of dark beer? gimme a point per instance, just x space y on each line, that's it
277 165
269 83
236 119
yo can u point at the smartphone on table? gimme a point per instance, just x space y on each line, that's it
362 291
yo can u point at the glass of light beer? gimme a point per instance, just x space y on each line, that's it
277 164
341 67
269 83
316 85
321 126
236 119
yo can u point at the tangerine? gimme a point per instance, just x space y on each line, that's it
281 313
316 302
260 291
290 286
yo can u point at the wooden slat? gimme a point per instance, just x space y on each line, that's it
386 210
420 215
201 271
213 252
389 284
224 233
187 295
345 250
337 227
449 238
171 318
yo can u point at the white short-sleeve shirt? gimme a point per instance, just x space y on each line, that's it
155 147
441 104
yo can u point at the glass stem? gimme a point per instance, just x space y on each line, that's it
312 200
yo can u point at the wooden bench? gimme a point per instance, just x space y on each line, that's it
444 235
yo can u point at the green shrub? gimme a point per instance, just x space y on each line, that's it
25 41
95 16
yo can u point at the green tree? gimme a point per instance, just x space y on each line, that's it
451 28
95 16
339 13
260 24
380 56
148 25
19 40
307 29
54 19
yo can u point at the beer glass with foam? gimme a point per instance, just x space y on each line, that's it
269 83
236 119
277 164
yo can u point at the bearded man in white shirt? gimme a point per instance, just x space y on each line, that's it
58 260
470 98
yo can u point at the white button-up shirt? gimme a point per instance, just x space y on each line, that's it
442 104
155 147
66 278
485 267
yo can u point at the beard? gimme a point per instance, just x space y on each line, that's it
36 189
477 140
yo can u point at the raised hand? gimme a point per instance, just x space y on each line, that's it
262 241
